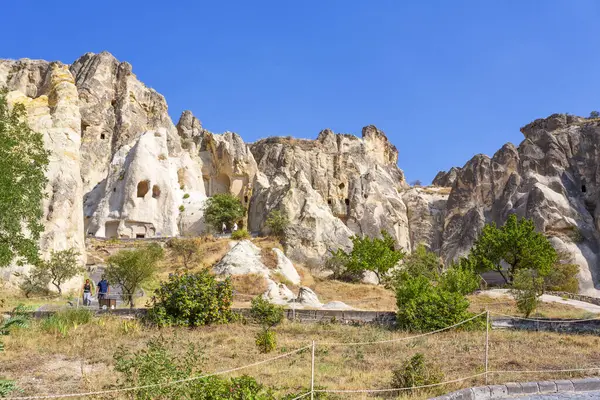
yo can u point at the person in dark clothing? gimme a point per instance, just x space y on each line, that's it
103 288
87 292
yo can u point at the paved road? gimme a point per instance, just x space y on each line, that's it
561 396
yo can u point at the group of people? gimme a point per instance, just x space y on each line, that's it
88 290
233 228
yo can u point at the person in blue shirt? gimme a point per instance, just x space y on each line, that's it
103 288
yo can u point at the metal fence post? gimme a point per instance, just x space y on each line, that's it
487 343
312 373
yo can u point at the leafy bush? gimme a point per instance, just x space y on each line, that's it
265 313
240 234
35 282
337 265
223 209
594 114
186 196
416 372
62 266
186 250
181 208
527 287
130 269
62 322
423 306
421 262
460 278
266 340
19 318
156 364
563 277
277 222
192 299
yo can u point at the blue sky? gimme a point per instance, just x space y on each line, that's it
444 79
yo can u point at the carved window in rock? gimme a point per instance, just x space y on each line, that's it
155 191
142 188
583 189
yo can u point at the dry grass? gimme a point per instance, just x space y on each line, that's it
268 257
361 296
250 284
45 363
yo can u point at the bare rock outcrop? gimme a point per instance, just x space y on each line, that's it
426 215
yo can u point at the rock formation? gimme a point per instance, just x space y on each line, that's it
121 168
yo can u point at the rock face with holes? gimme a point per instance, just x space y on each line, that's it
49 94
552 178
330 188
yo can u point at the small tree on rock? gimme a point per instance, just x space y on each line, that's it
517 244
277 222
594 114
62 266
131 269
374 254
223 209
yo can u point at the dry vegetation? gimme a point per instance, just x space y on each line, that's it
45 363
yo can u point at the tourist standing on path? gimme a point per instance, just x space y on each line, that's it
87 292
234 227
224 228
103 288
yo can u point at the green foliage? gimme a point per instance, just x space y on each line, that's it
460 277
130 269
62 266
266 340
563 277
416 372
337 264
266 313
181 208
421 262
277 222
187 250
23 162
156 364
223 209
240 234
527 287
8 387
594 114
192 299
518 244
19 318
35 282
62 322
423 306
370 254
186 196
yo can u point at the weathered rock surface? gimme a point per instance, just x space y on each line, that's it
330 188
426 214
242 259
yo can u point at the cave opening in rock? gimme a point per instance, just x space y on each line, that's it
329 201
155 191
142 188
342 186
102 136
139 236
245 199
84 126
583 189
347 201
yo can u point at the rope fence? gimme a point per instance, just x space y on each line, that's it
480 363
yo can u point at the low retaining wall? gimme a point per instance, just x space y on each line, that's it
510 389
548 325
579 297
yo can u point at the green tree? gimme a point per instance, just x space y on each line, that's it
517 244
35 282
130 269
373 254
423 262
277 222
595 114
268 315
563 277
223 209
23 162
187 250
527 287
62 266
461 277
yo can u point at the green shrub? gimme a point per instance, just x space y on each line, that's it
416 372
563 277
337 265
156 364
527 287
62 322
8 387
266 313
266 340
181 208
19 318
186 250
192 299
186 196
277 222
62 266
240 234
423 306
223 209
35 282
460 278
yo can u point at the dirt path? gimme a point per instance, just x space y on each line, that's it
547 298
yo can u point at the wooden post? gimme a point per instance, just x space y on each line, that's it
312 373
487 343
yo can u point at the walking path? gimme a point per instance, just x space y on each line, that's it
547 298
560 396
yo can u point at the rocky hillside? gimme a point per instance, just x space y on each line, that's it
121 168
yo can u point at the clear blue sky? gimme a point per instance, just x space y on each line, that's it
444 79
